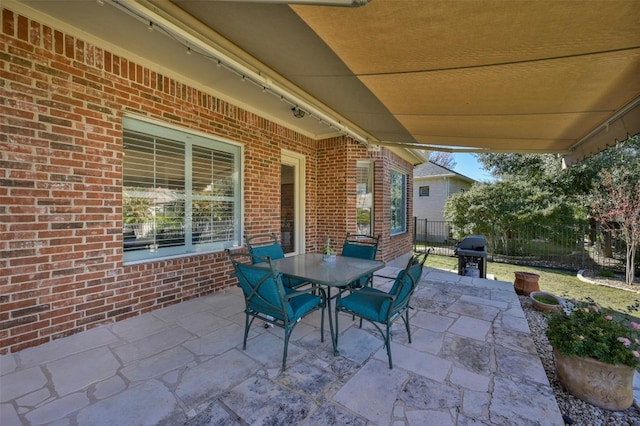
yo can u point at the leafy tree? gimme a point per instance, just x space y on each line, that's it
444 159
616 205
514 165
537 189
585 173
505 207
543 170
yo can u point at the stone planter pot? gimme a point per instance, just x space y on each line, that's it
526 282
603 385
542 305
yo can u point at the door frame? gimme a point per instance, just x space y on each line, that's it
298 161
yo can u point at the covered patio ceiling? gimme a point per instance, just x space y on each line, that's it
462 76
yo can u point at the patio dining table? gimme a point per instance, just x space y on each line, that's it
336 273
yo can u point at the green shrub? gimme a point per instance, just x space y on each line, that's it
589 331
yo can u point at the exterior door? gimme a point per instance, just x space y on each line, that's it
292 202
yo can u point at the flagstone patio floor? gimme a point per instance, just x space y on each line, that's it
472 362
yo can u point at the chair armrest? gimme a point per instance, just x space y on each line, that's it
378 294
309 290
381 295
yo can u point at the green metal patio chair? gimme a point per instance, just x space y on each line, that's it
267 245
268 299
380 307
363 247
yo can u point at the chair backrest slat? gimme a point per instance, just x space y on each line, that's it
265 245
359 250
360 246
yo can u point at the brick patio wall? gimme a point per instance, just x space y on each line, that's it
61 106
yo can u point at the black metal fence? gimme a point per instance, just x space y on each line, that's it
567 247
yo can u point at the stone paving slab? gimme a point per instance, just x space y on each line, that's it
184 365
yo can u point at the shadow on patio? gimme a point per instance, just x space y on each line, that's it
472 361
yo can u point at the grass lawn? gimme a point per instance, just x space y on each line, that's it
559 282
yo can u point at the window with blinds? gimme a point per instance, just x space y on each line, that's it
364 197
181 192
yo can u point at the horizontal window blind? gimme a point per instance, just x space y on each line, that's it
181 192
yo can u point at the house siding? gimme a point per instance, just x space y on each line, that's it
456 186
62 101
430 207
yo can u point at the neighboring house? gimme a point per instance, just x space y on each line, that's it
123 182
432 186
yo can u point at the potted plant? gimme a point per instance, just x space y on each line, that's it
526 282
596 352
328 255
545 301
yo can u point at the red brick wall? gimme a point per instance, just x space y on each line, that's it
337 164
332 192
61 107
397 245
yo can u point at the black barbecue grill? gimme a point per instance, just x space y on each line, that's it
472 256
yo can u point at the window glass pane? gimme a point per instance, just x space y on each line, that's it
181 193
153 199
398 202
213 190
424 191
364 197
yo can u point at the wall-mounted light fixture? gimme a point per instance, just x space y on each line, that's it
297 112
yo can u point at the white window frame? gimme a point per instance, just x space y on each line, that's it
299 162
190 139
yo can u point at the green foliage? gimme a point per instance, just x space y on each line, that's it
534 190
590 331
615 197
137 210
326 249
546 300
363 215
504 209
512 165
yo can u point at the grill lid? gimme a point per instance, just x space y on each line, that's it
472 242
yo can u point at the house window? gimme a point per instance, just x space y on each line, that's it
424 191
398 202
364 197
181 192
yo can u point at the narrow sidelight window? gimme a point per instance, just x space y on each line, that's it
398 202
364 197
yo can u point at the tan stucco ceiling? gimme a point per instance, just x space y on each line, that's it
539 76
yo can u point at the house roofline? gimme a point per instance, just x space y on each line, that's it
451 172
